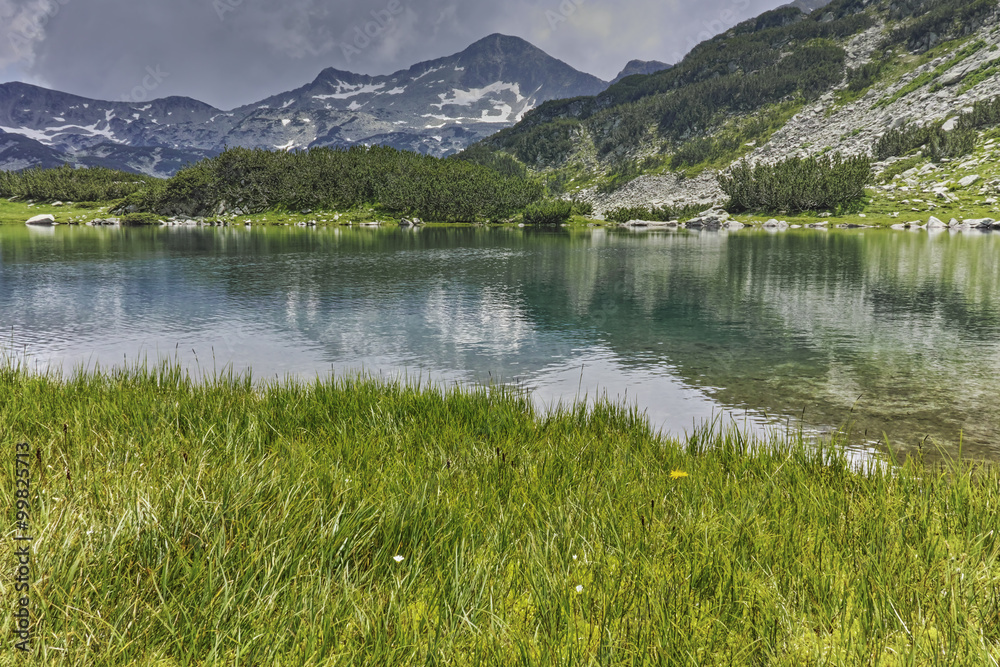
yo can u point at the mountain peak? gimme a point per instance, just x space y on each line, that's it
640 67
504 43
334 74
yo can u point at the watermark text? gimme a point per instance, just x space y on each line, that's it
22 547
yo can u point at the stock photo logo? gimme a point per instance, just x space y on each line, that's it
223 7
364 35
140 93
567 8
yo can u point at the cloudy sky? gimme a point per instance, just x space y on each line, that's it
233 52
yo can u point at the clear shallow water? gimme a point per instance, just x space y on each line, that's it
898 333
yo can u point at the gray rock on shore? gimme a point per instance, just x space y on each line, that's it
978 223
713 218
42 220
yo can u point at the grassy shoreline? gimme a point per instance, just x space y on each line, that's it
359 521
16 213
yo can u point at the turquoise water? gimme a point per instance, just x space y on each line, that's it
897 333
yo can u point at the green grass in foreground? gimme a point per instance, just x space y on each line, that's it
365 522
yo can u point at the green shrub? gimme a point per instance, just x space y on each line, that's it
148 199
548 212
935 142
400 182
797 184
583 208
985 113
190 190
652 213
859 78
140 219
68 184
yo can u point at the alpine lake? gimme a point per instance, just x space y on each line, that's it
890 336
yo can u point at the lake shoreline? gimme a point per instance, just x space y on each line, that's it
73 215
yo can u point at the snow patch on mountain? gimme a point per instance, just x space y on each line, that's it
346 91
464 98
430 71
50 135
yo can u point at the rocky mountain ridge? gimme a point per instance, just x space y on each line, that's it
436 107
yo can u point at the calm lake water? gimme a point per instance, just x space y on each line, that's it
895 332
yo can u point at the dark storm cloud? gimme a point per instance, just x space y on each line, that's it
232 52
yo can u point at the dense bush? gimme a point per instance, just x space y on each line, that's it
935 142
797 184
548 212
139 219
652 213
583 208
859 78
69 184
985 113
399 181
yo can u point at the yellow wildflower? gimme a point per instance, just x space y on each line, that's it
677 474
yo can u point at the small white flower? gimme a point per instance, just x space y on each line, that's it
579 588
574 556
398 559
